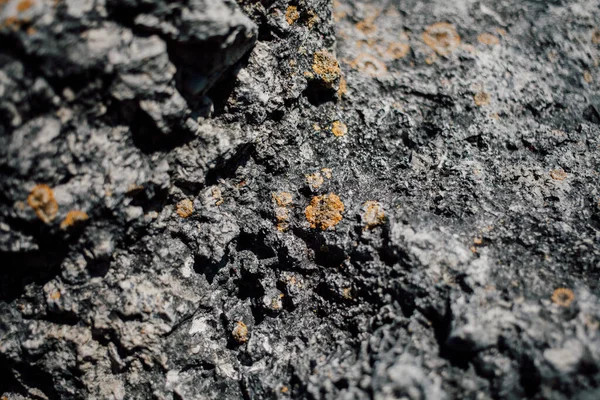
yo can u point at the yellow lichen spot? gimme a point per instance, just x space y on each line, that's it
73 217
240 332
55 295
284 389
481 99
587 77
42 200
373 214
325 211
327 172
282 199
596 36
185 208
315 180
397 50
292 15
442 38
558 174
326 66
563 297
488 39
24 5
369 65
339 129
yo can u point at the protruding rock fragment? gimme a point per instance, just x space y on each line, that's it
373 214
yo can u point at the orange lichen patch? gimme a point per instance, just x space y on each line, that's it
282 199
42 200
326 66
501 32
488 39
596 36
134 189
284 389
326 172
292 15
370 65
563 297
217 195
315 180
343 89
282 215
347 293
313 18
55 295
339 129
478 241
373 214
430 59
324 211
24 5
442 38
587 77
185 208
397 50
73 217
481 99
558 174
12 22
240 332
367 25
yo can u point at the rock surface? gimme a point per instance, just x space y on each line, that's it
210 199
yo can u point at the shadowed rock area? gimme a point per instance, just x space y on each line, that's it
299 199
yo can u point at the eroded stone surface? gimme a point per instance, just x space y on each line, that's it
299 199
